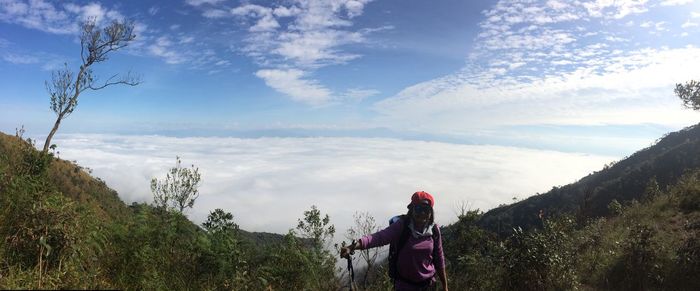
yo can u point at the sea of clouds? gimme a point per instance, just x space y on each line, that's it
267 183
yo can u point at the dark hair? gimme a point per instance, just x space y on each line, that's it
432 214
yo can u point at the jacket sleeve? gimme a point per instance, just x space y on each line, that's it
382 237
439 261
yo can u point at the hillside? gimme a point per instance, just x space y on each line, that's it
651 244
624 181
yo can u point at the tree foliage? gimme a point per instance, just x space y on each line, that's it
689 94
318 229
179 189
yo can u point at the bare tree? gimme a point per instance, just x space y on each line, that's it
689 93
179 188
95 44
364 225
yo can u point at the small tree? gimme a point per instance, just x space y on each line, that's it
364 225
223 259
220 221
320 231
179 188
95 44
689 93
319 261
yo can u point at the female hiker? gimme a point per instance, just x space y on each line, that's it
415 254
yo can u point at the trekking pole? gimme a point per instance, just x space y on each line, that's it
351 271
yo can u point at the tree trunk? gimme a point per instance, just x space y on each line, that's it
47 143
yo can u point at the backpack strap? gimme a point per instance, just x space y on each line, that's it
395 248
436 238
405 233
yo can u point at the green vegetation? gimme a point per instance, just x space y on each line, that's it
632 226
650 245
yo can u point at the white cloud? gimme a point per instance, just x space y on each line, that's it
153 10
283 11
163 48
358 94
675 2
316 48
94 11
615 9
265 19
629 89
292 83
660 26
201 2
312 37
310 40
688 24
20 59
186 39
285 176
61 19
37 15
215 13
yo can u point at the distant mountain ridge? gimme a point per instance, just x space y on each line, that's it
589 197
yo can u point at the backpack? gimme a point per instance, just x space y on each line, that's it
395 247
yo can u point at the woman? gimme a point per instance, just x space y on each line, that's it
420 257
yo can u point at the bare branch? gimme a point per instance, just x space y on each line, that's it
129 79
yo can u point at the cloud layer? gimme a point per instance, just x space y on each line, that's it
267 183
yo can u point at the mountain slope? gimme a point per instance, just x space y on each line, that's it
624 181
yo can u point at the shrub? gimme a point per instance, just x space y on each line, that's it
640 267
541 259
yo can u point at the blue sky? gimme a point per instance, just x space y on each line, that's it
353 105
524 73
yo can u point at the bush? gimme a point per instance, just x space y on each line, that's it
541 259
687 264
688 189
640 267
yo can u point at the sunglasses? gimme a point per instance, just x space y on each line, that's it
419 209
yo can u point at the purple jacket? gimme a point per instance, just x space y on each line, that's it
415 261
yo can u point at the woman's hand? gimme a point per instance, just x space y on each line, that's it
345 252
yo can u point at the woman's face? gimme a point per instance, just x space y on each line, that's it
421 213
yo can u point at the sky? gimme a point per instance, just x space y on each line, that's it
339 102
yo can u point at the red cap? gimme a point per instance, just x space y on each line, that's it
422 196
